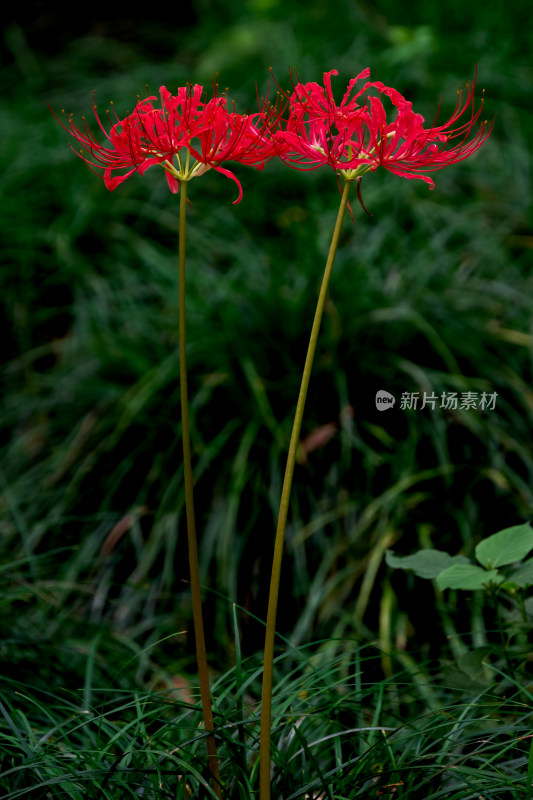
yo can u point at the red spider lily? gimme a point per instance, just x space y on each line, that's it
184 125
356 137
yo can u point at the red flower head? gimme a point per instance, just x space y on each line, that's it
184 125
356 136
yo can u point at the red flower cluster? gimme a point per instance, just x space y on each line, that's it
187 134
184 125
356 136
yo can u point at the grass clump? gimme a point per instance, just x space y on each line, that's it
339 730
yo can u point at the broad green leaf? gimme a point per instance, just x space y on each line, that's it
425 563
467 576
505 547
522 575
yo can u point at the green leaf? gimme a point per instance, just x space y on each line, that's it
505 547
467 576
425 563
522 575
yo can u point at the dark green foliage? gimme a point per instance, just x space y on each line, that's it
431 294
338 732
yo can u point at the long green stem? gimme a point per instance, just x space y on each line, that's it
266 707
196 593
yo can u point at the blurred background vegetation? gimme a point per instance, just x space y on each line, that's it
432 293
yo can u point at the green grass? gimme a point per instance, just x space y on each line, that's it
430 294
338 731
